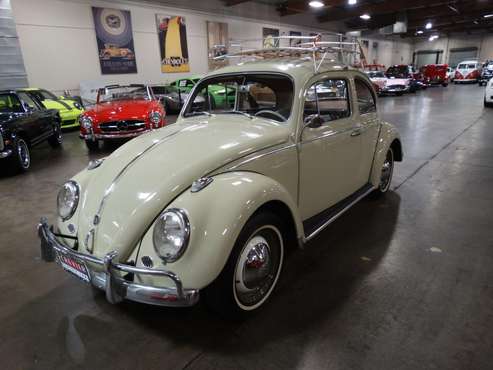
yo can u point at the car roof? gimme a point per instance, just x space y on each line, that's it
468 61
297 68
29 89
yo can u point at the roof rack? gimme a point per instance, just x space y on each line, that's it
346 49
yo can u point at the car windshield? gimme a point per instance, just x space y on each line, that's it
159 90
266 95
108 94
375 74
397 71
9 103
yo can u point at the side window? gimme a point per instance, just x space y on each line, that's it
366 100
28 101
329 99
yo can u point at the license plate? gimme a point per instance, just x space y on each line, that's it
74 266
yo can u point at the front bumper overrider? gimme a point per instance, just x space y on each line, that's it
110 277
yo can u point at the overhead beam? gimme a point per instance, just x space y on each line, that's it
386 7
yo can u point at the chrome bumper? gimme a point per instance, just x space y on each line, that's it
109 279
6 153
113 136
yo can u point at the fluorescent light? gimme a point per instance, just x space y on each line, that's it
352 2
488 16
433 38
365 16
316 4
420 32
429 25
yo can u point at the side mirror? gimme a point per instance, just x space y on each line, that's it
313 121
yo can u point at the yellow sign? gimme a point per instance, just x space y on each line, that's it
172 32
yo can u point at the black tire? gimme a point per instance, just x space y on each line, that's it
56 139
399 93
20 161
487 105
444 85
227 295
92 145
384 186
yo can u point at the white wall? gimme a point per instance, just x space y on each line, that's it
60 50
390 51
484 43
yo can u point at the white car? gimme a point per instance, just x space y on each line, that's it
450 74
488 94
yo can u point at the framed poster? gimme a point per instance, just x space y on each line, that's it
172 33
294 42
268 35
115 40
217 43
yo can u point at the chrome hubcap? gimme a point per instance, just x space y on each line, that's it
387 169
23 153
257 267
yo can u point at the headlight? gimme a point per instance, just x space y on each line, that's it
86 122
155 117
171 234
68 199
77 105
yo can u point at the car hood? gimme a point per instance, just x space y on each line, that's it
136 182
397 81
124 109
59 105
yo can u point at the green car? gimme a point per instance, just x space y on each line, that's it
69 109
217 92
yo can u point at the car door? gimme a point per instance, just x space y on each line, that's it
329 155
368 126
38 120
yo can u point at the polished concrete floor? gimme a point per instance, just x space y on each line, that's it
400 283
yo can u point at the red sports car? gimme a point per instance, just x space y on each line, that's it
121 112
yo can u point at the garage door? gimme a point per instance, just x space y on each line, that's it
428 57
458 55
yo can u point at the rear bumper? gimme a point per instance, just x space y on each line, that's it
110 277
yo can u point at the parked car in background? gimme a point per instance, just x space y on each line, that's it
208 207
25 123
488 94
467 71
450 74
379 81
171 97
121 111
435 74
404 74
68 109
486 73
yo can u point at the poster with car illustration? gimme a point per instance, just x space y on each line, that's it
172 32
115 40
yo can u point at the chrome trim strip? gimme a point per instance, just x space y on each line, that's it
6 153
339 214
329 134
255 157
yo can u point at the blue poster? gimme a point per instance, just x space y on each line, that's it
115 40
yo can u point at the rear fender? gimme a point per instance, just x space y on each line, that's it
388 135
217 214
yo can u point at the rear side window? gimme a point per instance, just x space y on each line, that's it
28 101
329 99
366 100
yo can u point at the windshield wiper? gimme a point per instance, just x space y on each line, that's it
198 113
237 112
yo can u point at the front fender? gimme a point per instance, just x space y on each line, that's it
217 214
388 134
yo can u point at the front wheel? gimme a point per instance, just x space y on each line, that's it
252 270
21 157
386 174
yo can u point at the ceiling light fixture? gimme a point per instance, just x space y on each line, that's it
488 16
420 32
352 2
316 4
433 38
429 25
365 16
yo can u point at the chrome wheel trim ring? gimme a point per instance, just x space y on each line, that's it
257 249
387 171
23 153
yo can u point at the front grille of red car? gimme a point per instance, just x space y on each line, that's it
122 126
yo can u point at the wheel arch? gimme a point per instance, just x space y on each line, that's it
217 214
388 138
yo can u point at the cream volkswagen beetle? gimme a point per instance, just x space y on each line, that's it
208 206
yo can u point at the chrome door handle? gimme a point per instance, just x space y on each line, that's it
356 132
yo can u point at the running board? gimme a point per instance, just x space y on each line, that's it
317 223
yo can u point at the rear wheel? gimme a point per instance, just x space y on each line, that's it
92 145
386 174
21 157
56 140
252 270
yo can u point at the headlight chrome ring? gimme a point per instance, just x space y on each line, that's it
155 117
171 234
86 122
68 200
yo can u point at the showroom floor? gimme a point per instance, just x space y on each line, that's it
401 283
